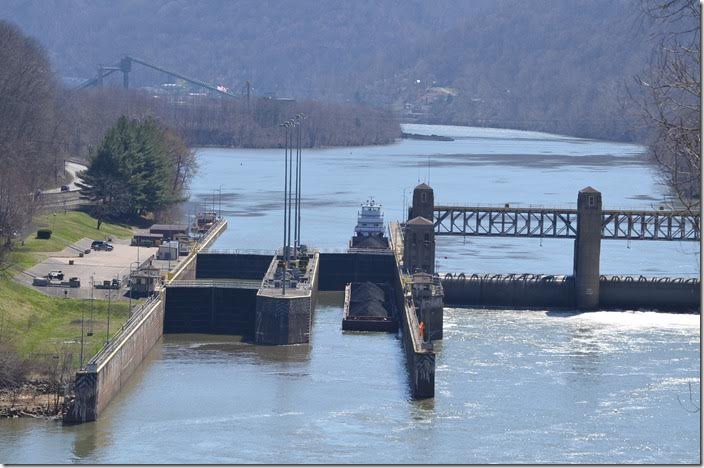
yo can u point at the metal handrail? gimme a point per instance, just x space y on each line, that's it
114 342
271 252
214 283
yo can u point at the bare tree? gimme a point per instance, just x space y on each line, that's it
29 128
671 105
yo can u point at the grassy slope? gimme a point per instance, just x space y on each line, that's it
68 228
35 323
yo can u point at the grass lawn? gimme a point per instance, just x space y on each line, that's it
33 323
68 228
36 324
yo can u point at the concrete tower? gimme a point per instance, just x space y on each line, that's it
587 248
419 246
423 202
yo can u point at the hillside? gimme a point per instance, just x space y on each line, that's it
541 65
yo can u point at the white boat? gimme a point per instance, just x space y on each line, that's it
369 232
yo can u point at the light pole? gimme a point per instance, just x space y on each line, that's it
300 172
107 332
283 252
220 202
290 185
92 287
130 284
83 314
297 222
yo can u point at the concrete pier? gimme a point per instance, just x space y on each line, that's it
587 247
286 317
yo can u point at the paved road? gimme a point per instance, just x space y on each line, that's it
72 168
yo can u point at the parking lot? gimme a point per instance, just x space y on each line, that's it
99 265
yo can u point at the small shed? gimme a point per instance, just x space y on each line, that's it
168 251
143 282
169 231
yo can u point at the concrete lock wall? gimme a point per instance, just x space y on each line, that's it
508 292
98 384
128 357
232 265
420 364
660 294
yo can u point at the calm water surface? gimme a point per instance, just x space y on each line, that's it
511 386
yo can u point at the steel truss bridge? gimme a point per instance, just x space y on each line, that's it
562 223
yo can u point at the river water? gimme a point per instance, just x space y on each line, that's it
511 386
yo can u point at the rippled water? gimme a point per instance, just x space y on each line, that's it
511 386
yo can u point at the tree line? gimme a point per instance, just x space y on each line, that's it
30 129
670 104
225 121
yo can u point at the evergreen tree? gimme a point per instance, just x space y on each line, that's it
130 172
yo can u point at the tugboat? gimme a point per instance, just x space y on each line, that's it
369 232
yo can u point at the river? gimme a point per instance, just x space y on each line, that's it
511 386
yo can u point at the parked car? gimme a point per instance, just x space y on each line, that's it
101 245
64 188
56 275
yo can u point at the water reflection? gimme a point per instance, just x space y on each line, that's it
231 347
85 442
585 355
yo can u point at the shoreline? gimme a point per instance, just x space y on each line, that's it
32 399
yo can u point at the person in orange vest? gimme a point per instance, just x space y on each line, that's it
421 329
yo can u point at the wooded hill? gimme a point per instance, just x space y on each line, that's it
558 66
